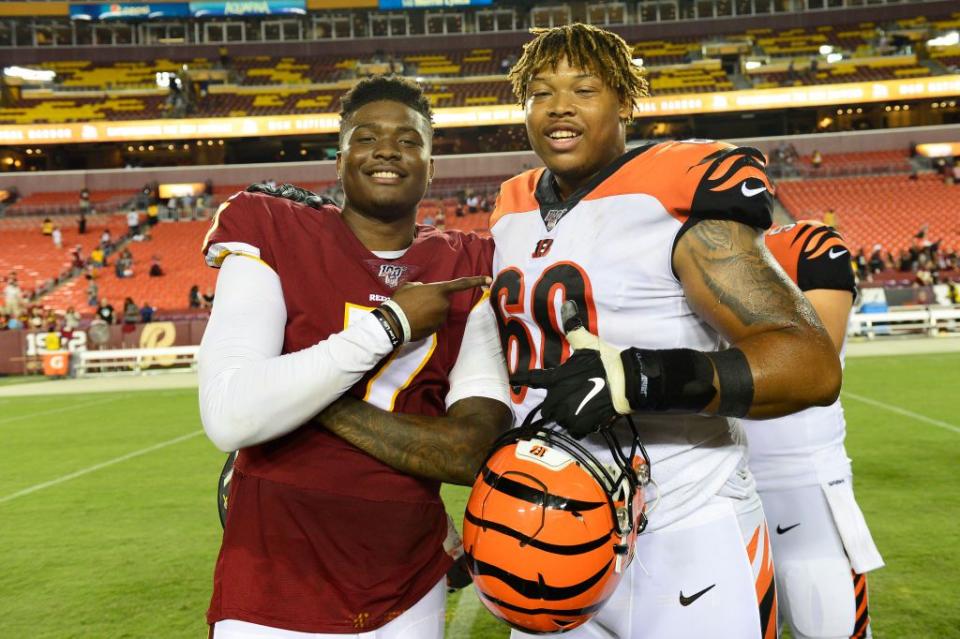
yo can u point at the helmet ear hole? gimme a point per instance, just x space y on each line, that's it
548 530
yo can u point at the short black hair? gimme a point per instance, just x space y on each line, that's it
384 87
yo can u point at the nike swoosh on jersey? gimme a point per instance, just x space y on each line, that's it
686 601
598 384
834 256
748 192
780 530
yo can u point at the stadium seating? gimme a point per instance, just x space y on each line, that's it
26 251
868 162
886 210
176 244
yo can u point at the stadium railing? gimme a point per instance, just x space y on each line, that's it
135 361
905 321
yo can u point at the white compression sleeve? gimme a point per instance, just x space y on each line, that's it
480 370
249 392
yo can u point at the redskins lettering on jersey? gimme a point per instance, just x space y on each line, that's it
609 246
320 537
805 448
813 255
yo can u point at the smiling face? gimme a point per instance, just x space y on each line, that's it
384 160
575 123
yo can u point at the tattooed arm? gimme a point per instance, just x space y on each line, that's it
448 449
733 284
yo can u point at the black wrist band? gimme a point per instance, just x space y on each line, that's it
395 340
392 314
674 379
736 382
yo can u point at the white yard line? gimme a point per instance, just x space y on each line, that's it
902 411
464 614
62 409
96 467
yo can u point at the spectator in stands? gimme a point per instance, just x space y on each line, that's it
97 257
105 311
35 318
473 203
155 269
106 240
459 210
830 219
84 202
816 159
3 322
57 236
876 263
46 227
51 321
71 319
82 223
12 296
440 222
194 296
131 313
14 322
146 313
206 301
133 222
173 209
93 291
428 220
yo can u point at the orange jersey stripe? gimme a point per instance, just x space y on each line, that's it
517 195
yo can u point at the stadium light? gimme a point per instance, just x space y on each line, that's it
638 62
752 64
825 49
30 75
834 57
947 40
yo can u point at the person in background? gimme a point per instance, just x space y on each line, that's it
82 223
816 160
153 215
46 227
130 311
207 300
57 236
194 296
98 257
133 222
85 205
155 269
12 297
71 319
105 311
146 313
93 291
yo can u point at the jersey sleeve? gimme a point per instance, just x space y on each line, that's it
825 263
706 180
241 226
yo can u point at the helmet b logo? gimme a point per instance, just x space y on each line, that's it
542 248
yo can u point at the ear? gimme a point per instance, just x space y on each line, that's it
626 111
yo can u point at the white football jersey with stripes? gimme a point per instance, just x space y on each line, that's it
609 247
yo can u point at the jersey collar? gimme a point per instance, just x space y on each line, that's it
553 208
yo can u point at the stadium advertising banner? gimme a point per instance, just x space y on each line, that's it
316 123
248 8
432 4
129 11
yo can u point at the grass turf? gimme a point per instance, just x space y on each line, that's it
123 544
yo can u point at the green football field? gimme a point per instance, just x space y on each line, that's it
108 523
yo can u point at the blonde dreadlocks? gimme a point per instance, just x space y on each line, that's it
585 46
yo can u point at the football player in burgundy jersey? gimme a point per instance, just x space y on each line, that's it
351 389
822 546
684 321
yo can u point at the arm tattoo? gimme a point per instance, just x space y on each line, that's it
448 449
732 263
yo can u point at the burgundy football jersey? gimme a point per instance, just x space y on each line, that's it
321 537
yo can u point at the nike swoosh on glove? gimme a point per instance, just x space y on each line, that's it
587 392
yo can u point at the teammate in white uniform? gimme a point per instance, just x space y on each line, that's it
822 547
660 248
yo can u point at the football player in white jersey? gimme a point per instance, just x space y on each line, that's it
661 248
821 546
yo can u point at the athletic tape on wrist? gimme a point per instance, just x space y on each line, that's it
391 334
401 318
736 382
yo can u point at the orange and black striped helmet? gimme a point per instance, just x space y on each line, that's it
549 530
